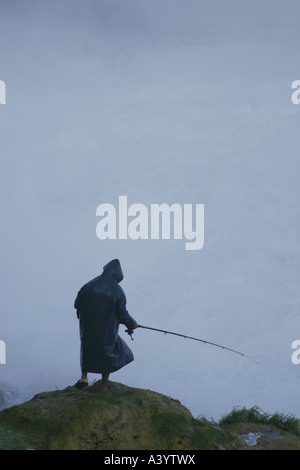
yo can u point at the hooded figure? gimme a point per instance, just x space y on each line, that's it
101 307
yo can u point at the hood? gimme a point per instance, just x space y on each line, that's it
114 269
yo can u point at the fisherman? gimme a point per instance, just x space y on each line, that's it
101 307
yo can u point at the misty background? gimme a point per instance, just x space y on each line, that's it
161 101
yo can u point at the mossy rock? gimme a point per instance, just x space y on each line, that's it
124 418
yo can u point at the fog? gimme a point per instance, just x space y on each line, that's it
162 102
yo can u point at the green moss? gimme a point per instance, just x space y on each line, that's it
10 439
169 425
174 428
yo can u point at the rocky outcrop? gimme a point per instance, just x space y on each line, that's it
124 418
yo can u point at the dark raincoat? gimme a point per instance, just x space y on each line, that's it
101 307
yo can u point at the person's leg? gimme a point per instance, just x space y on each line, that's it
84 377
83 382
104 384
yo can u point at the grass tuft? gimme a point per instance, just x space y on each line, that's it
255 415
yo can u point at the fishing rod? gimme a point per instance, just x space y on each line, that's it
191 337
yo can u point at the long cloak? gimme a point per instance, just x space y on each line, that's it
101 307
